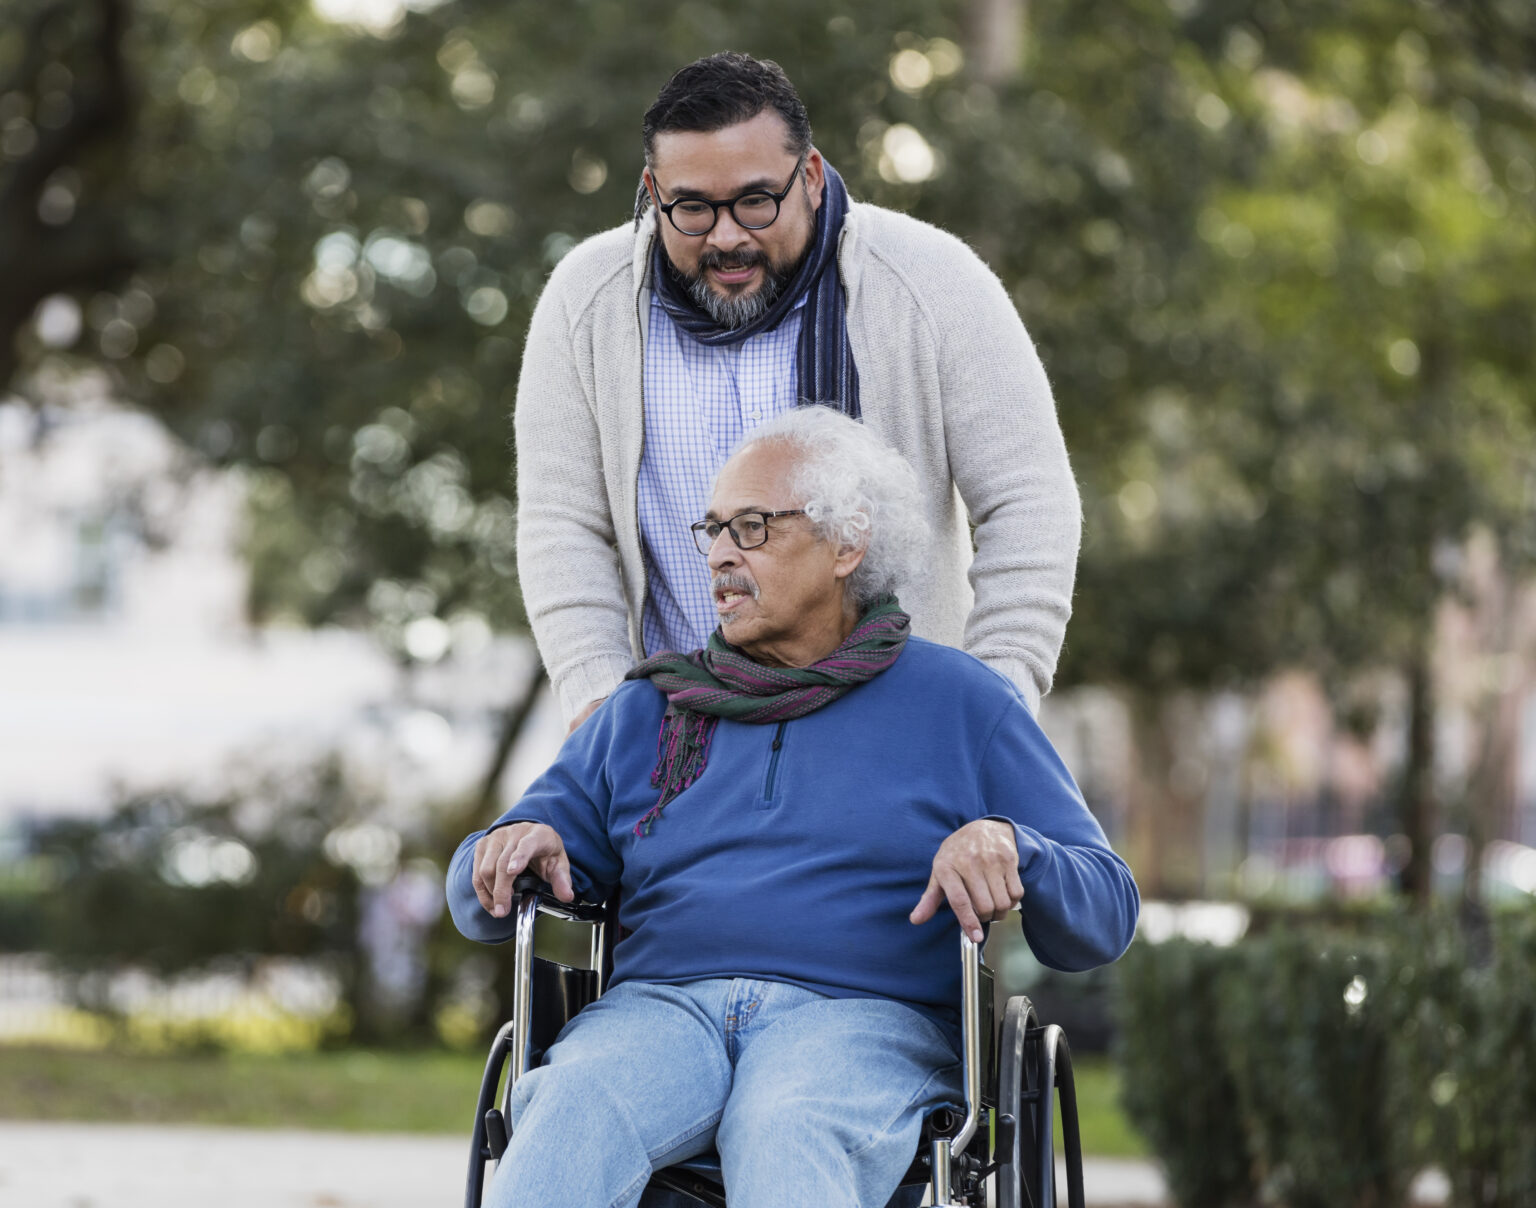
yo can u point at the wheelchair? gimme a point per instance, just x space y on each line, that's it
999 1153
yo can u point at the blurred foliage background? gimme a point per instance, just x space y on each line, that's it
1276 256
1279 259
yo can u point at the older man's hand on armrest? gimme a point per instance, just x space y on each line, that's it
506 852
977 870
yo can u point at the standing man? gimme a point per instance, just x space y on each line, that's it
750 284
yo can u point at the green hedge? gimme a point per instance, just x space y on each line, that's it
1468 1041
1174 1085
1313 1066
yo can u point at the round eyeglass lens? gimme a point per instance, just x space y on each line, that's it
692 217
755 210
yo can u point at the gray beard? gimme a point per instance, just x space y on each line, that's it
738 310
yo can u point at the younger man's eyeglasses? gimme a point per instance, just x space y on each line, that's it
752 210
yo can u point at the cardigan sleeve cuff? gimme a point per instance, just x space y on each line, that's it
589 680
1022 676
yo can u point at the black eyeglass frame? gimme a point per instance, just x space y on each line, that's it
706 541
666 207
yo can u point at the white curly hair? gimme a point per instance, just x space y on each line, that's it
857 490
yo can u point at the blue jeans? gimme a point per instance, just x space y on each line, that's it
809 1099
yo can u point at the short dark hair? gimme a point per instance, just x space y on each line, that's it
722 90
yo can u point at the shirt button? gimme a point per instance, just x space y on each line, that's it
754 415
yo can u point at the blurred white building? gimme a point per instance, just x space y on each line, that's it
126 661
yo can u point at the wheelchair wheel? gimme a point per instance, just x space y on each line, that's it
1033 1065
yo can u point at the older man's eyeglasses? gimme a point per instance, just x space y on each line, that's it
748 529
752 210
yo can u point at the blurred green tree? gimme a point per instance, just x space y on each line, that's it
64 99
1351 405
340 231
1276 258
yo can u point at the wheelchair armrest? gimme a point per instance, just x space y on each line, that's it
578 911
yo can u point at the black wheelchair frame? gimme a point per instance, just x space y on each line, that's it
1001 1153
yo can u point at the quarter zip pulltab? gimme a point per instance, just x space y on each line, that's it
773 761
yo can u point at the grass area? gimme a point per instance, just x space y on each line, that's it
364 1091
1106 1131
360 1091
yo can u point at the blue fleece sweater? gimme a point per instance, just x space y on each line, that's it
800 851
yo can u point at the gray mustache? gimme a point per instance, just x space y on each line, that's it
725 581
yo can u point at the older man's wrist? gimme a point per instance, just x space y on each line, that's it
1024 839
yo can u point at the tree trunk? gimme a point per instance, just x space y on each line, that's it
1165 818
1418 802
513 721
91 250
1490 790
995 32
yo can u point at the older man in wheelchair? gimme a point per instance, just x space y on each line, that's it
800 821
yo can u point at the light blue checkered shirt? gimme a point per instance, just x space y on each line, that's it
699 402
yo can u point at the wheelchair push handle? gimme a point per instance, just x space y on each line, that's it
578 911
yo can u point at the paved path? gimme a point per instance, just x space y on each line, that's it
143 1166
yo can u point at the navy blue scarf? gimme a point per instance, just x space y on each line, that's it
825 368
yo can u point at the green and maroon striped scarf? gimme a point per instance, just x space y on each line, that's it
719 681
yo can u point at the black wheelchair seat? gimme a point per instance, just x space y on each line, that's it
998 1151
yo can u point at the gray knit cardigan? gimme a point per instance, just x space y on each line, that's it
947 375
